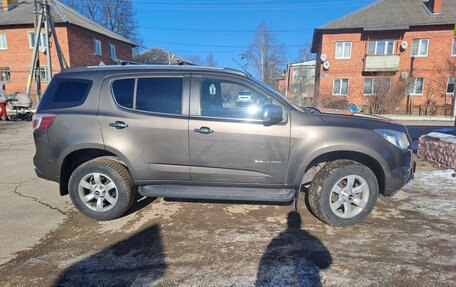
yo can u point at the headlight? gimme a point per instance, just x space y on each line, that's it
398 139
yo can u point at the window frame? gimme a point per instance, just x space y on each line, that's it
344 43
185 100
454 85
419 46
453 48
8 71
373 85
42 40
97 43
3 42
111 48
340 87
414 87
45 80
385 49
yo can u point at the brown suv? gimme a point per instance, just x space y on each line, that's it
106 133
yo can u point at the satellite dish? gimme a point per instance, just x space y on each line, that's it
323 57
404 45
404 75
42 49
326 66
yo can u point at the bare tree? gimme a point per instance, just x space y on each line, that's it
210 60
265 56
387 94
305 54
195 59
118 16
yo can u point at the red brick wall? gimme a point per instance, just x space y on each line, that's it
434 68
76 44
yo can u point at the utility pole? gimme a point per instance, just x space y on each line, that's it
44 14
37 38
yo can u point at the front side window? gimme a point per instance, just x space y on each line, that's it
343 50
381 47
225 99
340 87
3 44
112 52
375 86
450 85
5 74
42 40
416 86
420 47
97 47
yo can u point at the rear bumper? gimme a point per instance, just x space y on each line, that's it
43 175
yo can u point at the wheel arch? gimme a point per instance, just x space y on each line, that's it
313 166
77 157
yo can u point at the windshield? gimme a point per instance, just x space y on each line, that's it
277 94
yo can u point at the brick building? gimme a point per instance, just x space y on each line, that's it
389 42
83 43
298 82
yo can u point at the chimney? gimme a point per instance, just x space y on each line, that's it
6 4
435 6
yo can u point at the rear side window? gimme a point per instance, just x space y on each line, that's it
159 95
65 93
124 91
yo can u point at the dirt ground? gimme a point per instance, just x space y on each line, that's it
408 240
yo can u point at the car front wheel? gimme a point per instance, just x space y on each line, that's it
102 189
343 193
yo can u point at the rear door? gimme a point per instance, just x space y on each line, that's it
144 119
229 144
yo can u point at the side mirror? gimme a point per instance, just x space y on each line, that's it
272 114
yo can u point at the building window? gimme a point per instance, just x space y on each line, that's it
450 85
112 52
5 74
3 44
376 86
31 39
381 47
453 50
340 87
343 50
97 47
416 86
420 47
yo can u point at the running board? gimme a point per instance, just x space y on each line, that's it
218 193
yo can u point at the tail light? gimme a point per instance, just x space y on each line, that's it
42 121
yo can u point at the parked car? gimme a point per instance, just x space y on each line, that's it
106 133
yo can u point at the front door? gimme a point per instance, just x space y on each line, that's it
144 119
229 144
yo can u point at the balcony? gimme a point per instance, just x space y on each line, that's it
381 63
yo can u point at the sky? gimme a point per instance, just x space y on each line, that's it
226 28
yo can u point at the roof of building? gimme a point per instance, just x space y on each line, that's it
305 63
22 14
395 15
158 56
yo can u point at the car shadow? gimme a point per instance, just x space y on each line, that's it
137 260
293 258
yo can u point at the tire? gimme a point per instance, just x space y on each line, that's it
102 189
14 118
343 193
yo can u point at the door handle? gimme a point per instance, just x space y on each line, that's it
203 130
118 125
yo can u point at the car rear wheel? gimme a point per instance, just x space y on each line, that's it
343 193
102 189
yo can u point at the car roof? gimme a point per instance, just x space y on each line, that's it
144 67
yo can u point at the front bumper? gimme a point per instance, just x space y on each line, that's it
400 177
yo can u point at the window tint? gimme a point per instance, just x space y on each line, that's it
225 99
64 93
161 95
123 91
